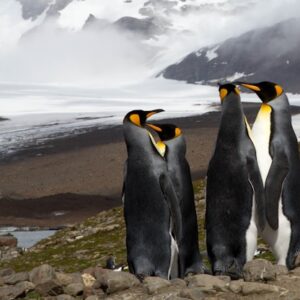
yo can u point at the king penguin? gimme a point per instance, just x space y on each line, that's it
179 169
278 159
234 191
151 213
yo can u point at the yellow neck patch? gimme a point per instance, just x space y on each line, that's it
265 108
135 119
223 93
159 146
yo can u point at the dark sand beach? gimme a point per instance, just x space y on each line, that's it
72 178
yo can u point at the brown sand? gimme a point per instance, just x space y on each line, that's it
89 169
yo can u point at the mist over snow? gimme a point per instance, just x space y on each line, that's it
67 65
45 41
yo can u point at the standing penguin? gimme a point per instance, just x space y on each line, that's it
178 167
278 159
151 213
234 191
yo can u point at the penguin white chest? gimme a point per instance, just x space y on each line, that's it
279 240
261 133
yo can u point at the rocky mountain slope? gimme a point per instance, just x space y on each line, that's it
269 53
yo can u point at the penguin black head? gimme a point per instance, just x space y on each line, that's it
265 90
166 131
139 117
226 89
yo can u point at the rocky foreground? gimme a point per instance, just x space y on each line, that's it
262 280
69 265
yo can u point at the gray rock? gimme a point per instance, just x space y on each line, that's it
15 278
249 288
88 279
178 282
236 286
164 296
64 297
42 274
259 270
111 281
193 293
50 288
18 290
93 297
74 289
89 291
154 284
6 272
63 278
207 283
8 240
280 270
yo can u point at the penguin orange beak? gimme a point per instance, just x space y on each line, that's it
249 86
154 127
153 112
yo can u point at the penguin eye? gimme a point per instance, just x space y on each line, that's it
135 119
223 93
279 90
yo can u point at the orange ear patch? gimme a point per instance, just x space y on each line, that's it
223 93
135 119
177 132
279 89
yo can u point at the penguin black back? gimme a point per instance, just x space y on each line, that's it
178 167
233 182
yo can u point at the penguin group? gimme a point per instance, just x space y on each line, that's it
252 189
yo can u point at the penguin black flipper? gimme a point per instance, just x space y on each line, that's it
176 218
123 187
258 189
277 173
172 201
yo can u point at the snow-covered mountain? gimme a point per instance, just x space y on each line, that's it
270 53
119 42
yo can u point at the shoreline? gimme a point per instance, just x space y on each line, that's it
72 178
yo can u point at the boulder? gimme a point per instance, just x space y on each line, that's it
63 278
15 278
6 272
259 270
88 279
42 274
64 297
192 293
8 240
74 289
154 284
207 283
250 288
16 291
111 281
49 288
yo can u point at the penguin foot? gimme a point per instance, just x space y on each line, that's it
297 259
234 271
140 277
